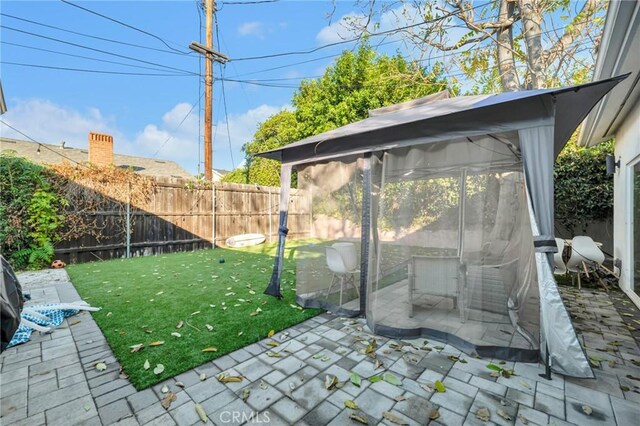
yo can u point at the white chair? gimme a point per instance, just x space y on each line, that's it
341 271
559 267
585 257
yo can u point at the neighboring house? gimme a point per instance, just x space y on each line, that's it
218 174
100 151
618 116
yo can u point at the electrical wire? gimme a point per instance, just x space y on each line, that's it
96 50
226 118
92 36
40 145
78 56
92 71
180 124
124 24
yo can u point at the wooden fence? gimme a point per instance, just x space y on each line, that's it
178 218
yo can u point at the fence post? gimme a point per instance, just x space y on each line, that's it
129 220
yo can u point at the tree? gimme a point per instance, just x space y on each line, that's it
503 44
357 82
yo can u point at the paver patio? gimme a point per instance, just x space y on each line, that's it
52 380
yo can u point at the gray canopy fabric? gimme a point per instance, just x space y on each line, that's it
501 137
453 118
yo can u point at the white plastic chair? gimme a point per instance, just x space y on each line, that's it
560 268
341 272
585 257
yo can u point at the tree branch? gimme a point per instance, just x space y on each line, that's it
580 23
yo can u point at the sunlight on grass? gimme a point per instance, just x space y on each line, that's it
143 299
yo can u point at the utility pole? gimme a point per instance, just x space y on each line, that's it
210 55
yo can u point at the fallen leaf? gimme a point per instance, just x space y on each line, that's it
318 355
241 333
399 398
390 378
203 377
210 349
157 343
164 389
525 384
146 365
523 419
263 385
136 348
355 379
109 314
101 366
168 399
483 414
439 386
393 418
180 324
358 419
195 313
587 410
174 334
504 415
273 343
209 327
225 378
245 394
201 413
624 388
374 379
435 414
180 385
87 406
159 369
351 404
494 367
330 382
271 333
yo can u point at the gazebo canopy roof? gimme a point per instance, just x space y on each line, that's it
458 117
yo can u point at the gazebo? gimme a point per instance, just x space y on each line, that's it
434 218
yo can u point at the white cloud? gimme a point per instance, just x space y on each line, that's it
254 28
341 29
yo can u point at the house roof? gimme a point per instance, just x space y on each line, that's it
458 117
618 54
55 154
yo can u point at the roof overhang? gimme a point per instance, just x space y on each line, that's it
619 53
445 119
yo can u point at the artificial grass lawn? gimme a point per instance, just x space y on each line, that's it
144 298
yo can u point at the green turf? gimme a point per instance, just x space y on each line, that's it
143 299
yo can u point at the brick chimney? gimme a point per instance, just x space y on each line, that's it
100 148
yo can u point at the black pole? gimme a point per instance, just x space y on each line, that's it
547 364
365 233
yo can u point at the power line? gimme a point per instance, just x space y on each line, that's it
92 71
226 118
40 144
183 120
92 36
96 50
123 24
77 56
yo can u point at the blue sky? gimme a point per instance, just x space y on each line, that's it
158 115
143 111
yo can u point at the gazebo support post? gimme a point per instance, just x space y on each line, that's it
365 231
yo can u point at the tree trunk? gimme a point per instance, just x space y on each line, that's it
506 63
532 19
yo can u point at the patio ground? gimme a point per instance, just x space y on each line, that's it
52 380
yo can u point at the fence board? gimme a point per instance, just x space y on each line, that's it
179 219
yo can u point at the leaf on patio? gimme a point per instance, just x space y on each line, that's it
587 410
435 414
157 343
271 333
174 334
375 379
525 384
330 381
87 406
74 322
203 377
272 343
390 378
168 399
393 418
263 385
494 367
164 389
159 369
136 348
438 348
210 349
146 365
439 386
506 373
101 366
523 419
399 398
180 324
504 415
355 379
462 361
180 385
483 414
378 364
245 394
201 413
453 358
359 419
624 388
225 378
351 404
274 354
318 355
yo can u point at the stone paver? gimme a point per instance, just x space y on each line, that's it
51 379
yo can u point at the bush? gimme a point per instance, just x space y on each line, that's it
583 191
31 211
